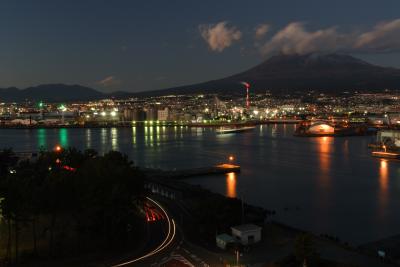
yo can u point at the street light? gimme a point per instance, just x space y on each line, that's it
231 158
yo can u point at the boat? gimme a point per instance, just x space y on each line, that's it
228 130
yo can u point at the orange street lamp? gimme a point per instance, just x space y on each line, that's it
231 158
58 148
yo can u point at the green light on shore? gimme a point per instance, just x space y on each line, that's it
40 104
62 107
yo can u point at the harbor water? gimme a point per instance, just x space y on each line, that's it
328 185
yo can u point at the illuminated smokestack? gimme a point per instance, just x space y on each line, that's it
247 85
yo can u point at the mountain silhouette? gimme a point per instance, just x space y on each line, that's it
331 73
50 93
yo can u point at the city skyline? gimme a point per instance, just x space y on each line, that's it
148 46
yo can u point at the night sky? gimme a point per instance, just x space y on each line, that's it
143 45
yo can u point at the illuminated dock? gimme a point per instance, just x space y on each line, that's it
386 155
187 173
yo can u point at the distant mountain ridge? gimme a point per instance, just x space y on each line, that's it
288 73
333 73
50 93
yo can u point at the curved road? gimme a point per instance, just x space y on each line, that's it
165 243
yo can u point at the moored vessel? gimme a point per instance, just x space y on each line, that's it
228 130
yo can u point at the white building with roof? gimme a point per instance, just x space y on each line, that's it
247 234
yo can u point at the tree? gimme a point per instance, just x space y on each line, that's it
14 190
74 196
7 160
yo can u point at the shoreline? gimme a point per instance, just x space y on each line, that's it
147 124
324 241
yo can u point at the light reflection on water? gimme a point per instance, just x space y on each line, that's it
339 188
41 135
64 137
383 187
231 184
114 138
88 138
324 147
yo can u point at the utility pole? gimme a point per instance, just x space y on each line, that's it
242 210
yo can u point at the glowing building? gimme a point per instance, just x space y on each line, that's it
321 128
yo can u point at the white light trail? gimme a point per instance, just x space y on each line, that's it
166 242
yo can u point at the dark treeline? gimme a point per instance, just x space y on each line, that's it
67 202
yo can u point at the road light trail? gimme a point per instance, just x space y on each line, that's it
166 242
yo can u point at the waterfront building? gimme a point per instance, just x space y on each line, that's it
321 128
163 114
25 122
377 121
135 114
151 114
390 138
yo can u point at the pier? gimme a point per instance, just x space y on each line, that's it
187 173
385 155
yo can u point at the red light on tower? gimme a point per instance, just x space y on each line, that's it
247 85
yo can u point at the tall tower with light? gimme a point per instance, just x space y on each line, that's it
247 85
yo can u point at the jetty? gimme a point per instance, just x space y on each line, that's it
187 173
386 155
